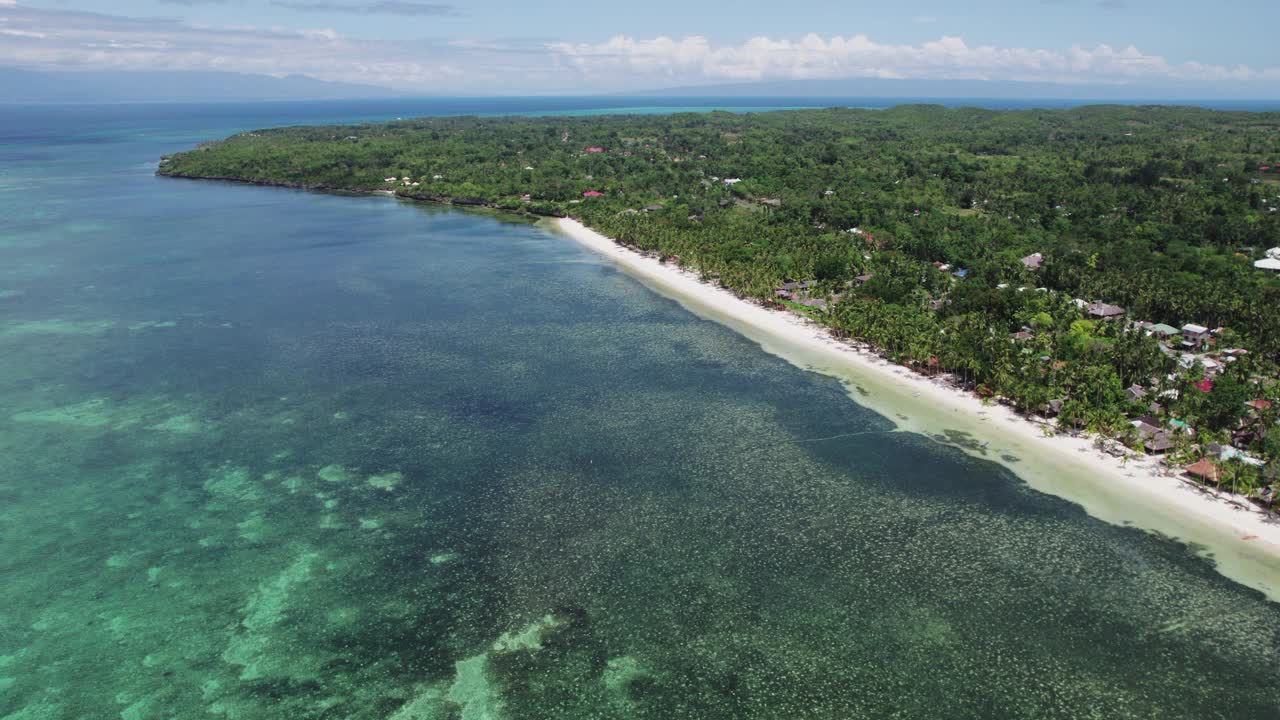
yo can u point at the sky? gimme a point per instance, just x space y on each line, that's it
563 46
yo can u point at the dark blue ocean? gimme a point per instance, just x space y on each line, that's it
276 454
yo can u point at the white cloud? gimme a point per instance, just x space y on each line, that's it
63 39
814 56
69 40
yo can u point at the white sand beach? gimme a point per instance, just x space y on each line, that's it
1243 541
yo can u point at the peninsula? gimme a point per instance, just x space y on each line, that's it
1107 270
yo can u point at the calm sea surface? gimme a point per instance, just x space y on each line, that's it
271 454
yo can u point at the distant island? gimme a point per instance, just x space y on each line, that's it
1114 268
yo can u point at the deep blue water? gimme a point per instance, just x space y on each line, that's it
267 453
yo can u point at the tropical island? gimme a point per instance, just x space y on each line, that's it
1105 269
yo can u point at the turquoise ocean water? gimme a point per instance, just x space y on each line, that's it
274 454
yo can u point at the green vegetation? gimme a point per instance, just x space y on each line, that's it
911 224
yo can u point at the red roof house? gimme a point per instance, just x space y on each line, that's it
593 193
595 150
1205 385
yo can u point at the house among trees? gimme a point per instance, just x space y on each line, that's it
1194 336
1103 311
1163 331
1033 261
1271 262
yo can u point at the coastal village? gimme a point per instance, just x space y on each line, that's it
1192 348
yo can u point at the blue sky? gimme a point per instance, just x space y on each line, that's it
504 46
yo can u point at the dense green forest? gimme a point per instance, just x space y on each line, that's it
963 241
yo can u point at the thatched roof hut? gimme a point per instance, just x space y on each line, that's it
1159 443
1205 469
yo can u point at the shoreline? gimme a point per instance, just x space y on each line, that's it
396 193
1243 543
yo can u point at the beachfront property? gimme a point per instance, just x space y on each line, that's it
1151 435
1205 470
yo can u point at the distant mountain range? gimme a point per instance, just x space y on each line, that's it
955 89
30 86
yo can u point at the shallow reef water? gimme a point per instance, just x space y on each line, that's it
271 454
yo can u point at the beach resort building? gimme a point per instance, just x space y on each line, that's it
1205 470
